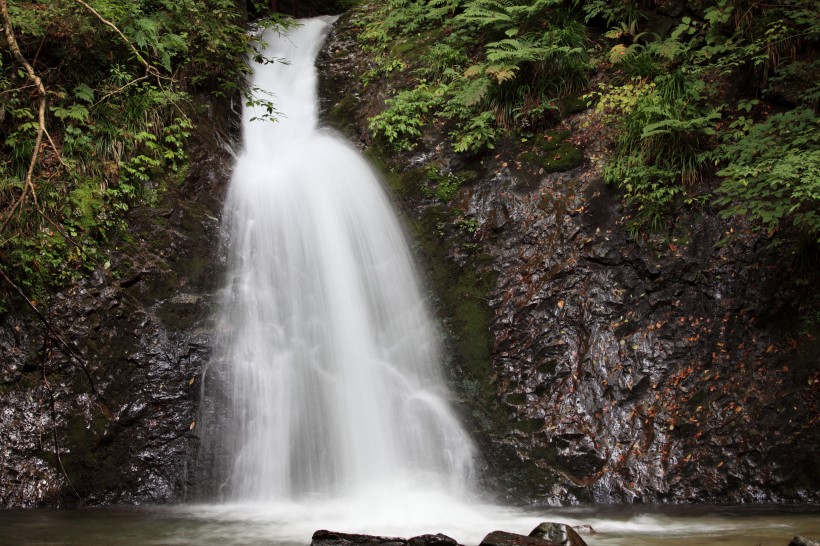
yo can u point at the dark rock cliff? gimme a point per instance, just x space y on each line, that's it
592 365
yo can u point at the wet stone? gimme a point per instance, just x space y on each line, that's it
332 538
503 538
803 541
558 533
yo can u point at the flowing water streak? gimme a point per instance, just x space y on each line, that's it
331 358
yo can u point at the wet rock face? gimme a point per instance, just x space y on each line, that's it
641 369
100 406
659 368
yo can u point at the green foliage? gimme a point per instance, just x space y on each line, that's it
117 119
401 121
626 13
672 122
475 134
477 68
772 172
663 131
444 185
499 64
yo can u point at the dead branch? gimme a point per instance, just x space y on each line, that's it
41 111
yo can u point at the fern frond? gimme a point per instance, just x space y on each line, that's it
474 92
502 73
485 13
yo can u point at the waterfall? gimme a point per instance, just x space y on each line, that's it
329 363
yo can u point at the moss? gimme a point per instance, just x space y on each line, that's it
410 47
516 399
461 301
401 184
547 453
529 426
548 367
554 153
444 186
572 105
342 116
89 468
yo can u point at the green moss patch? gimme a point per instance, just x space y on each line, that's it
554 153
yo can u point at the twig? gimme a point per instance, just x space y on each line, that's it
120 90
59 228
56 151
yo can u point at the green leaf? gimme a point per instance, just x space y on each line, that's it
84 93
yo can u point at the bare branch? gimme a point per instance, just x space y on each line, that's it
41 111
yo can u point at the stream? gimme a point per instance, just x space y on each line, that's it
233 525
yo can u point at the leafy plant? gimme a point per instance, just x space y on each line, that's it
445 185
662 135
772 172
404 115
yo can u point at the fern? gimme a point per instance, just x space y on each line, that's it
474 92
438 10
488 13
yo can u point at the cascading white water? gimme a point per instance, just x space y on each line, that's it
330 359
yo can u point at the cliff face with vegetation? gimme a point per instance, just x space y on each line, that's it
116 118
615 209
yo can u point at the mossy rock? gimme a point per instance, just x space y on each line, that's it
548 367
572 105
554 153
529 426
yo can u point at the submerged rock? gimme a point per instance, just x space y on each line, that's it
546 534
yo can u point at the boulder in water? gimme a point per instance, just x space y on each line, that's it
503 538
560 534
332 538
432 540
803 541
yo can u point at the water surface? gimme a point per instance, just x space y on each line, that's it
234 525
